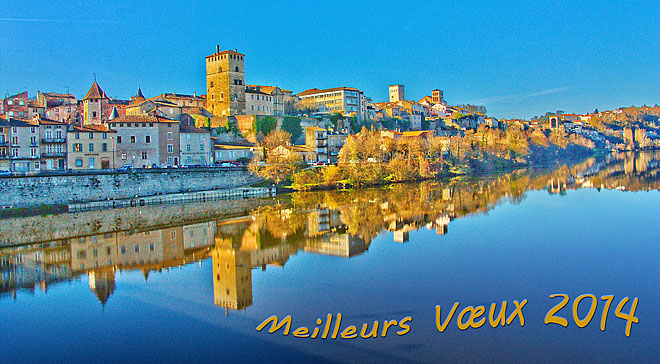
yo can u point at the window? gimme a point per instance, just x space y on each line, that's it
188 148
188 160
132 139
123 156
187 136
14 129
33 140
77 136
91 163
91 135
212 81
137 248
170 160
93 114
170 136
36 165
170 148
201 136
91 147
201 147
79 162
145 155
10 102
77 147
104 147
202 160
105 136
152 247
123 249
119 139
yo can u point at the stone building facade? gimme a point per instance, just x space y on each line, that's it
225 83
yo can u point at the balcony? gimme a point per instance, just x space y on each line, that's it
322 150
322 143
53 155
53 140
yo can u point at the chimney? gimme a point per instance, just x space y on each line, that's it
236 50
217 48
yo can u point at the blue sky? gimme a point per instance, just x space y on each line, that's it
519 59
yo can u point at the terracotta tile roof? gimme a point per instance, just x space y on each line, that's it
91 128
44 121
142 119
21 95
254 91
95 92
179 96
22 122
225 52
60 96
192 129
313 91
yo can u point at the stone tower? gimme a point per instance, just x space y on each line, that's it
225 83
397 93
438 97
93 104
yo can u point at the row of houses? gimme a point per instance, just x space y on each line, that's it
143 141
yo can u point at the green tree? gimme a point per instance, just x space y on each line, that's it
291 125
265 125
334 118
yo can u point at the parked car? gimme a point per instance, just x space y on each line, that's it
4 172
125 167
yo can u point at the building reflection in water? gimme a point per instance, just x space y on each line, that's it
340 224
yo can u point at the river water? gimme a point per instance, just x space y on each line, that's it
396 256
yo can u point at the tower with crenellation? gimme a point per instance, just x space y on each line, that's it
225 83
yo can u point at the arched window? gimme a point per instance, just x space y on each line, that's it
236 69
211 83
220 69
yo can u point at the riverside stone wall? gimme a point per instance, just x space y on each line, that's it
53 228
34 191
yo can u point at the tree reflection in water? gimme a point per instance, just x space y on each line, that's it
337 223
